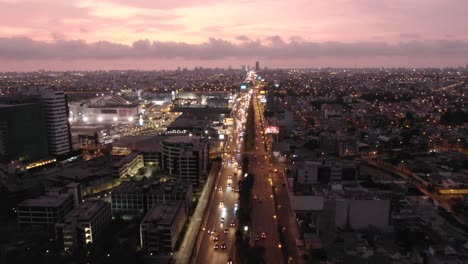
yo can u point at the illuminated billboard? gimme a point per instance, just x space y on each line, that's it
272 130
243 86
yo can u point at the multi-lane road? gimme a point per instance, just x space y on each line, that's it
216 230
216 240
285 212
264 218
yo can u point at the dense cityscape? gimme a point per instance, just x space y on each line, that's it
233 132
235 166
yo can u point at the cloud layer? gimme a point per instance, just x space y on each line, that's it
217 49
97 33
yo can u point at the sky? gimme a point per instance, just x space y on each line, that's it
166 34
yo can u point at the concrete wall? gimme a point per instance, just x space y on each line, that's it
360 214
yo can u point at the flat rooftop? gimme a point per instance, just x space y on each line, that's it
155 187
163 214
182 139
203 110
187 122
46 201
141 143
86 211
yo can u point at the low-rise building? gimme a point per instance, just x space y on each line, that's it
326 171
128 165
134 198
148 146
161 227
83 225
45 211
338 206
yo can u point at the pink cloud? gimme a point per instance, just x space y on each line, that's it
337 28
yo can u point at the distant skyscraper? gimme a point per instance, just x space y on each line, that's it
257 66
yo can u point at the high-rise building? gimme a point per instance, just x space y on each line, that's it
185 157
34 125
257 66
56 113
83 225
23 134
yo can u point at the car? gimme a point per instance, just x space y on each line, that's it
257 238
229 185
230 261
233 223
216 238
222 219
236 189
263 235
223 246
226 231
255 197
229 177
258 162
216 246
220 188
221 203
212 232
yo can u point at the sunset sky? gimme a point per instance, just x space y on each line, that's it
160 34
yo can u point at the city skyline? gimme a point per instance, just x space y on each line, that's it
122 34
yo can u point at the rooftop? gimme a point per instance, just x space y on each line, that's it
163 214
182 139
141 143
86 211
46 201
154 187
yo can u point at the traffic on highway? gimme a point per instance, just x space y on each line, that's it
217 235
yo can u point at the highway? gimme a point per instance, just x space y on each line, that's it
264 219
223 201
285 212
